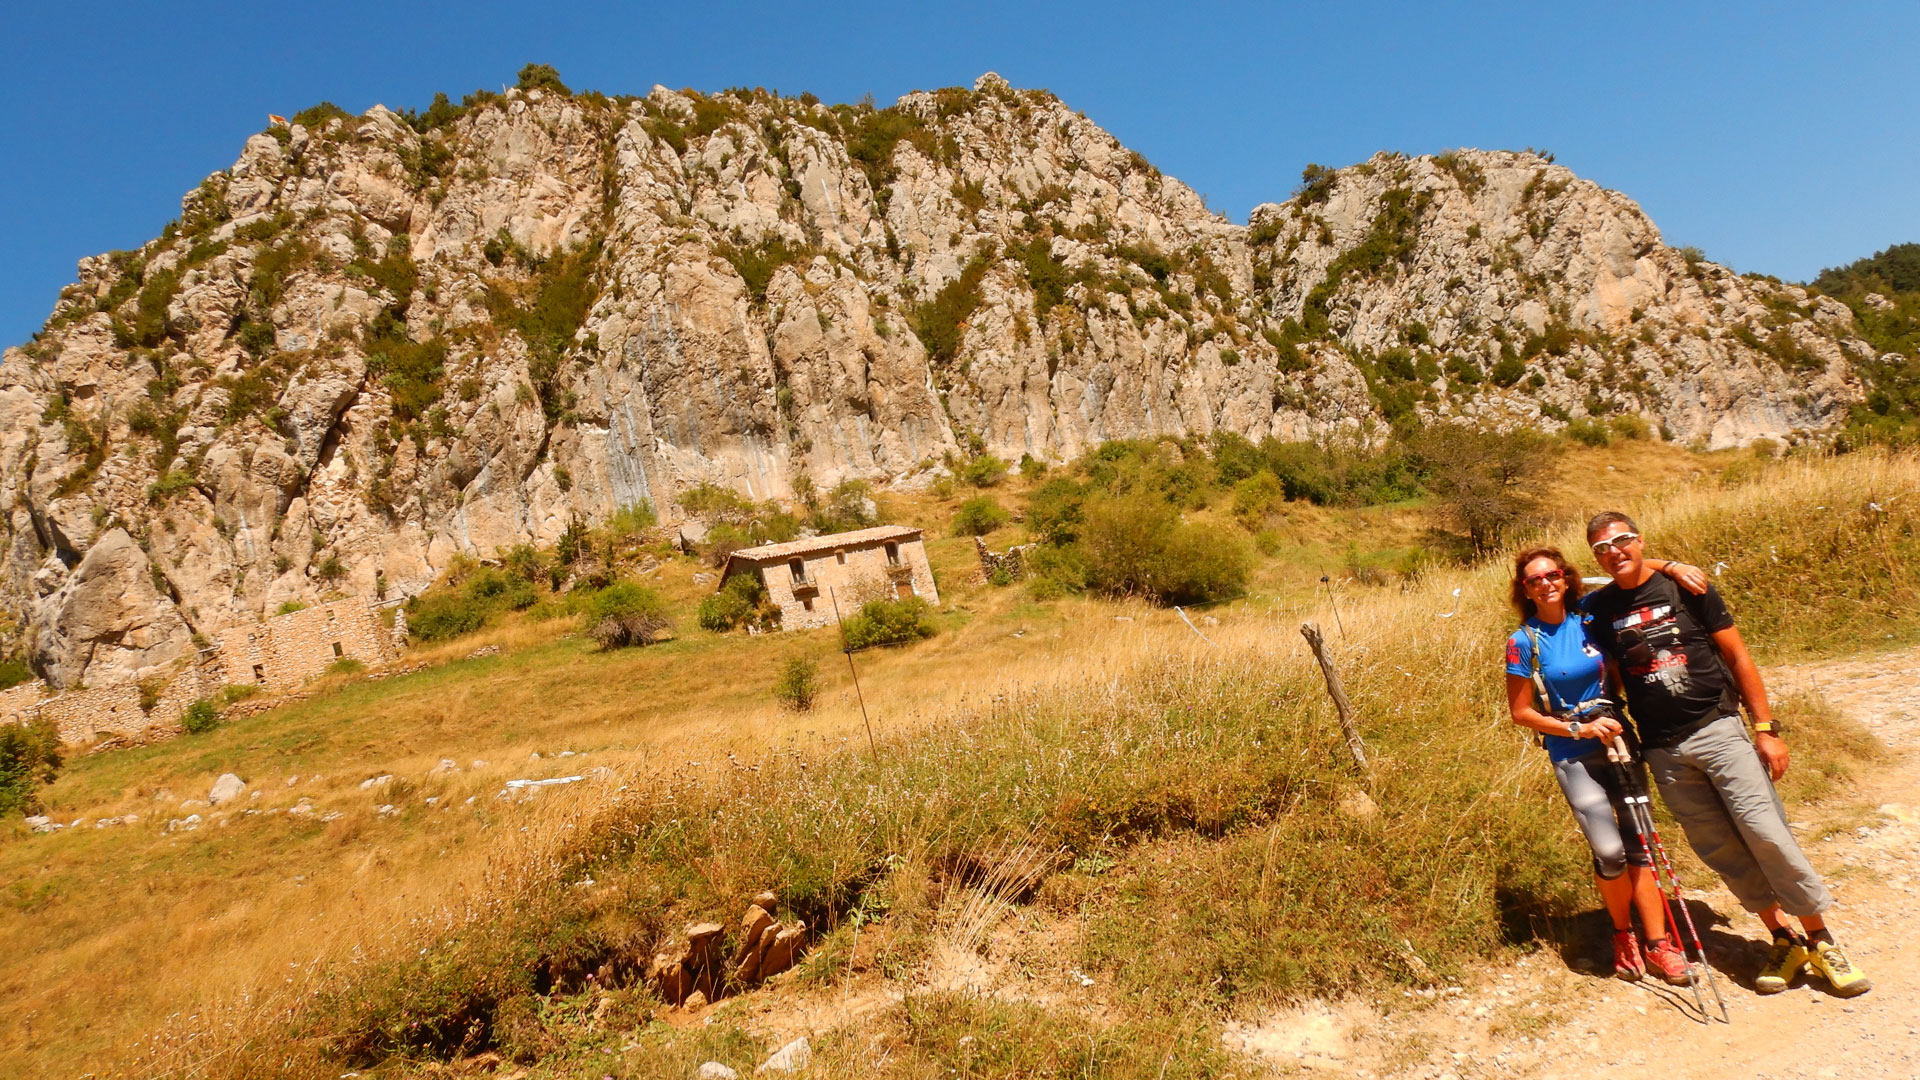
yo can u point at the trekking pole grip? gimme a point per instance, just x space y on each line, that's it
1617 751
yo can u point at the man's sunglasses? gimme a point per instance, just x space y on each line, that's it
1617 542
1547 578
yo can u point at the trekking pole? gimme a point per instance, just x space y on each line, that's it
1640 811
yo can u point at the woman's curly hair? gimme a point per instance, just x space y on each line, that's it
1521 602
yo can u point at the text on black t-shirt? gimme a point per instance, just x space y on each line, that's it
1660 636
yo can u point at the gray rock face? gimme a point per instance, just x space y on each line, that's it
104 620
368 350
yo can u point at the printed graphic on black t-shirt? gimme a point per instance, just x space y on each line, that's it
1661 639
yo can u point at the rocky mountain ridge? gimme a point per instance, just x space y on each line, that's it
375 343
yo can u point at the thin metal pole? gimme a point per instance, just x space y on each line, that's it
860 697
1334 604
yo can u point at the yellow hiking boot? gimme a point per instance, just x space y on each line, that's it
1788 957
1831 964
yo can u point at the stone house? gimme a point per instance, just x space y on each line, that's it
805 578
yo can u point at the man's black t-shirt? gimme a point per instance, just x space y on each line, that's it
1659 634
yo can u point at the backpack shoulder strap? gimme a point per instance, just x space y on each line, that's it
1696 608
1542 695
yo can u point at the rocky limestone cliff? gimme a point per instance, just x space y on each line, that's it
377 342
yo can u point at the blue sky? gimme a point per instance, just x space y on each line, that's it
1778 138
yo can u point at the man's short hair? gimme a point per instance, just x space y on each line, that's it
1601 521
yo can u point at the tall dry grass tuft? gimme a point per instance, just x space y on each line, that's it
1192 804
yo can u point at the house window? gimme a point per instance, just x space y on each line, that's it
259 673
336 648
893 554
807 602
799 569
840 556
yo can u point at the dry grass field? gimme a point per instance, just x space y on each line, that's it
1190 797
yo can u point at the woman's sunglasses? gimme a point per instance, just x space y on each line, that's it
1547 578
1617 542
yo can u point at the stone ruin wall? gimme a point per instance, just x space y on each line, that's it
1013 560
106 712
285 651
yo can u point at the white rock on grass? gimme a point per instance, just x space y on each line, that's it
790 1058
713 1070
226 789
372 782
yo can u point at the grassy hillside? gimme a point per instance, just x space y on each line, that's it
1180 813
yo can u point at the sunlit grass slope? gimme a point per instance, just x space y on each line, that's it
1186 805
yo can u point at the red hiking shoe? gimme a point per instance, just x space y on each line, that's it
1669 963
1626 956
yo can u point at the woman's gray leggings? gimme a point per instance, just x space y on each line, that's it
1593 788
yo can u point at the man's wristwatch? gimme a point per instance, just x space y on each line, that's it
1574 727
1768 727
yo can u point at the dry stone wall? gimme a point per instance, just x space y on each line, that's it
276 655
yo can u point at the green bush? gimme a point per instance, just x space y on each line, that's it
1589 431
984 471
978 517
318 115
1511 369
13 673
712 501
542 77
737 603
200 717
1054 511
525 562
632 519
1316 184
447 613
346 665
1136 545
1628 426
940 323
756 265
29 757
848 506
798 685
887 622
1254 496
626 614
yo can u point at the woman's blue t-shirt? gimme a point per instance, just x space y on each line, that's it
1572 668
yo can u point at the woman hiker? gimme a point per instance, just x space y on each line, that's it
1577 721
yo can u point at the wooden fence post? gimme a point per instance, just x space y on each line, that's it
1337 693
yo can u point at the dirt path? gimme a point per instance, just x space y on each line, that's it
1555 1016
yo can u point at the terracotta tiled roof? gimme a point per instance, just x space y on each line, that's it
824 543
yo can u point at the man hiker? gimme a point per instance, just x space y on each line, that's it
1686 671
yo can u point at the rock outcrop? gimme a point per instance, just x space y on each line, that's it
378 342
